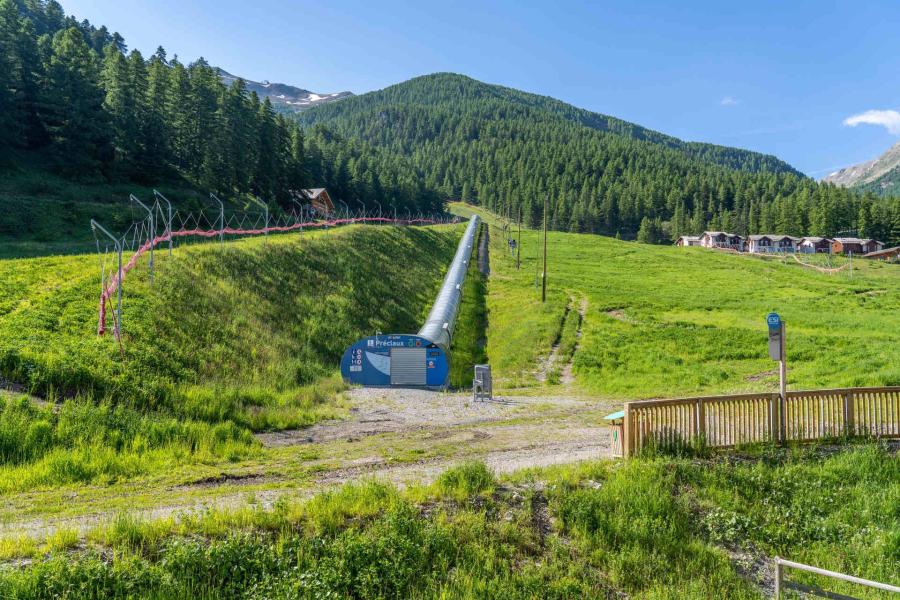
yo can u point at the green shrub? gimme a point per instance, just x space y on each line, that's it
465 480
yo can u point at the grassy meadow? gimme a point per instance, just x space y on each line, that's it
227 341
650 528
667 321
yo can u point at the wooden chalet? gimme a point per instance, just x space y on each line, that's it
688 240
319 199
722 240
855 246
885 254
815 245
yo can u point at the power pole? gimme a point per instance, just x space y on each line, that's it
544 275
519 241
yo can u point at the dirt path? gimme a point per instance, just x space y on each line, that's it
508 434
567 377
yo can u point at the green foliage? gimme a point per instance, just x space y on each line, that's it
639 531
646 528
506 149
86 442
465 480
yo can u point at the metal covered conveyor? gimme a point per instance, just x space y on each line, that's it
422 359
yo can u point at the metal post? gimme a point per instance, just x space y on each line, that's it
152 232
295 201
379 210
519 241
265 207
346 209
169 227
544 275
221 218
118 244
782 372
363 213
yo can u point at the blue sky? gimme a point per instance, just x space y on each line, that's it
776 77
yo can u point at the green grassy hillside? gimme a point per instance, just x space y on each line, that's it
269 315
228 339
667 321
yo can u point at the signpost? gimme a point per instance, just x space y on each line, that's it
777 352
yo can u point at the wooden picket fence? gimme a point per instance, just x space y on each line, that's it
728 421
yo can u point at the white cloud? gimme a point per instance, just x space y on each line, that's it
889 119
729 101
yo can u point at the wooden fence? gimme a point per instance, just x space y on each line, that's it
728 421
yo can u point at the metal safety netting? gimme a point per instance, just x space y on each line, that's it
143 237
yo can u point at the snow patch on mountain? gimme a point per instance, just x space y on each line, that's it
282 95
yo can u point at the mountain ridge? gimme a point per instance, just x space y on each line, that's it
469 88
282 95
880 175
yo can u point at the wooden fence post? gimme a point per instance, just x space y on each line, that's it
774 400
701 421
626 432
779 574
849 425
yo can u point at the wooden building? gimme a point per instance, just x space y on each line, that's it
815 245
722 240
769 243
855 246
688 240
886 254
319 199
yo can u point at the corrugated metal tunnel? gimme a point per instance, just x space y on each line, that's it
422 359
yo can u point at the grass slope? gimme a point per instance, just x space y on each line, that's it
666 321
228 339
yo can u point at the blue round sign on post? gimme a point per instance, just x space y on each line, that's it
773 320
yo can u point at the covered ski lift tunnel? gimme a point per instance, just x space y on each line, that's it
423 359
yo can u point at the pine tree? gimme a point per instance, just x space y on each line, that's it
11 77
72 106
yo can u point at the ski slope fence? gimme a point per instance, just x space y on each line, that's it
111 285
735 420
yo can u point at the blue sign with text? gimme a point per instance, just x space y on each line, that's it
773 320
368 361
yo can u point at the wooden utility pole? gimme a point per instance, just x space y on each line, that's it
519 241
544 276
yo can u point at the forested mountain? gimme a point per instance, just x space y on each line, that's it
73 101
506 149
880 175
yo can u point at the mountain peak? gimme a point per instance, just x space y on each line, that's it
879 173
287 98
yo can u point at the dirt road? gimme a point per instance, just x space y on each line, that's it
401 436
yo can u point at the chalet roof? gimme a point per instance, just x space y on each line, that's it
815 239
853 240
885 252
313 193
772 236
715 233
689 237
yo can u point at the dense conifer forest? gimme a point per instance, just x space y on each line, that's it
506 149
75 101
